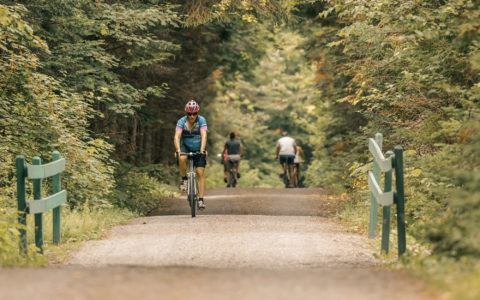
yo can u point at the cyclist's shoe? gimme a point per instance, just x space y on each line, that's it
281 175
225 179
183 185
238 175
201 204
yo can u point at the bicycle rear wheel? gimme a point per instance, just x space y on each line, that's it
295 177
286 176
233 179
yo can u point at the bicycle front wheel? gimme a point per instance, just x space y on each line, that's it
192 195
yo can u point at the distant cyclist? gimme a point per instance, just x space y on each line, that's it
191 136
299 158
286 151
232 152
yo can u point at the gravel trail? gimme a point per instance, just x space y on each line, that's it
247 244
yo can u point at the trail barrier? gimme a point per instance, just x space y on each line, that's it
37 172
393 160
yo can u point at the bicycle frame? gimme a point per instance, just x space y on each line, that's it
233 174
192 183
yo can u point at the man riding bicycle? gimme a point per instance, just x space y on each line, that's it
191 136
233 150
286 150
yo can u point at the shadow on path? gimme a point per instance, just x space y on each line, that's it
257 201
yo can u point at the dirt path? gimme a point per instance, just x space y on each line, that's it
247 244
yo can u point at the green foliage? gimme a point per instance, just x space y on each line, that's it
251 11
138 191
94 45
164 173
409 71
273 96
39 117
456 234
101 81
251 175
9 243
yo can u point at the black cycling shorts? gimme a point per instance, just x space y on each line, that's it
199 161
287 159
229 164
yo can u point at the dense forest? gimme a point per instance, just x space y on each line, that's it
104 82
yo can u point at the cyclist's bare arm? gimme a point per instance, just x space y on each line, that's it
203 134
241 150
176 140
278 151
302 154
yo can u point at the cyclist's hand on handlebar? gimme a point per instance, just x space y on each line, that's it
204 152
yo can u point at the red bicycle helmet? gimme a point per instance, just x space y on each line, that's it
192 107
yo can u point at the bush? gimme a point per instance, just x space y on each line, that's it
139 192
263 175
457 232
9 243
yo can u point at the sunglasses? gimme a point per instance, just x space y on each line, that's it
192 114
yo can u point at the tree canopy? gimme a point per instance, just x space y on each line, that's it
104 82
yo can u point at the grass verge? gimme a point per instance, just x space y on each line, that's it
450 278
78 225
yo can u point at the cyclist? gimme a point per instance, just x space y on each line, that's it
224 163
299 158
286 150
234 150
191 136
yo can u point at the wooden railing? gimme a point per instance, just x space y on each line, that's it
387 197
37 172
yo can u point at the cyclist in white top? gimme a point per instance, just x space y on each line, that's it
286 151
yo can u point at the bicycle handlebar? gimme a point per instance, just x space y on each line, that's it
191 154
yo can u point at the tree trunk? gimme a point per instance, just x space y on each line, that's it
148 144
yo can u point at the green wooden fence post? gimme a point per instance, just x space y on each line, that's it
56 187
386 210
400 200
21 201
372 232
37 195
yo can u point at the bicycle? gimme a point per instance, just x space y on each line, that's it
192 183
233 161
233 175
295 176
286 175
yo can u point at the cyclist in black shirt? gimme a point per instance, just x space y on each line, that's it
234 151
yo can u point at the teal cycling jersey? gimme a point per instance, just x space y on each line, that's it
191 137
